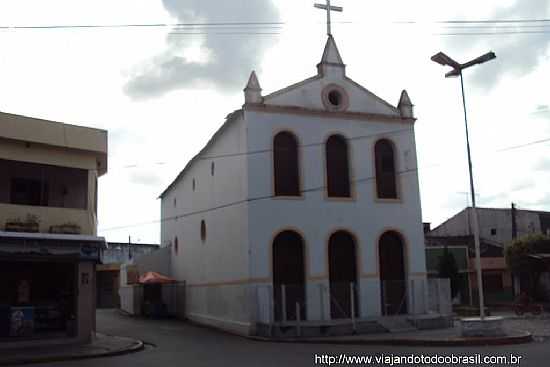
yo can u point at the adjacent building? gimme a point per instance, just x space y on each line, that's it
500 225
112 257
48 230
497 227
304 205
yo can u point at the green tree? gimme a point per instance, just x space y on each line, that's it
520 260
448 268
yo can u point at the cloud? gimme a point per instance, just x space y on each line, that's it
231 58
517 54
543 165
147 177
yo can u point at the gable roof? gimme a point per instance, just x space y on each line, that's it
228 121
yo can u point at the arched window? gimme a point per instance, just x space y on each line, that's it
392 268
289 276
386 184
285 165
338 177
342 262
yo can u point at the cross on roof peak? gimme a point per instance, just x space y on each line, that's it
328 8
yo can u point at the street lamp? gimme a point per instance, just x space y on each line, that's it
445 60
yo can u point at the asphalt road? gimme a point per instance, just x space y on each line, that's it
181 344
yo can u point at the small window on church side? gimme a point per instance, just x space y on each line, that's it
176 245
386 181
194 184
286 166
175 202
203 231
212 168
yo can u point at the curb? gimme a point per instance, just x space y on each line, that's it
458 342
136 346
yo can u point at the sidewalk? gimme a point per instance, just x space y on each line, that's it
440 337
102 346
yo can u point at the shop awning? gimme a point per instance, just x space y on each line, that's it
84 247
152 277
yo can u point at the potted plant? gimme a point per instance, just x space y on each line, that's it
30 224
66 228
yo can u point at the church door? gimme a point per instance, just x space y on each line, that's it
392 274
288 276
342 274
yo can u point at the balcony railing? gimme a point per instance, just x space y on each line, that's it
25 218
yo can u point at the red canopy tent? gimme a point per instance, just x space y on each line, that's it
152 277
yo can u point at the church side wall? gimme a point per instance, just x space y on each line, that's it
316 217
215 269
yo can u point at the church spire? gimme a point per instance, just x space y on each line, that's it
331 60
405 105
253 91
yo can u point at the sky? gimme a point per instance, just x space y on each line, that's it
162 91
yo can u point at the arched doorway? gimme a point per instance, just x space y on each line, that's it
393 287
288 271
342 273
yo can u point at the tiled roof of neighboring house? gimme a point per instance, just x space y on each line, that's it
544 215
112 244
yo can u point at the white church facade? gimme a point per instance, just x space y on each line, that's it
304 206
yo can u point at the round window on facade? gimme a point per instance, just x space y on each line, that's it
335 98
203 231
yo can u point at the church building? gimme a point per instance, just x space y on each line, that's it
304 207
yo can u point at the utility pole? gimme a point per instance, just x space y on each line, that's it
514 222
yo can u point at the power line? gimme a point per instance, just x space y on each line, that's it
318 188
524 145
269 150
277 24
261 151
240 202
489 33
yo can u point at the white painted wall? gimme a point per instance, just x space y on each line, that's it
210 267
317 217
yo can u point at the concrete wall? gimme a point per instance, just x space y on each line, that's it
213 268
316 217
38 132
131 299
120 253
86 300
158 261
49 216
439 296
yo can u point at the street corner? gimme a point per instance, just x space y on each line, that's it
101 346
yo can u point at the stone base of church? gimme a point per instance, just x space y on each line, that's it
306 329
230 326
376 325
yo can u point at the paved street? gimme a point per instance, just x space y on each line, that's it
181 344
